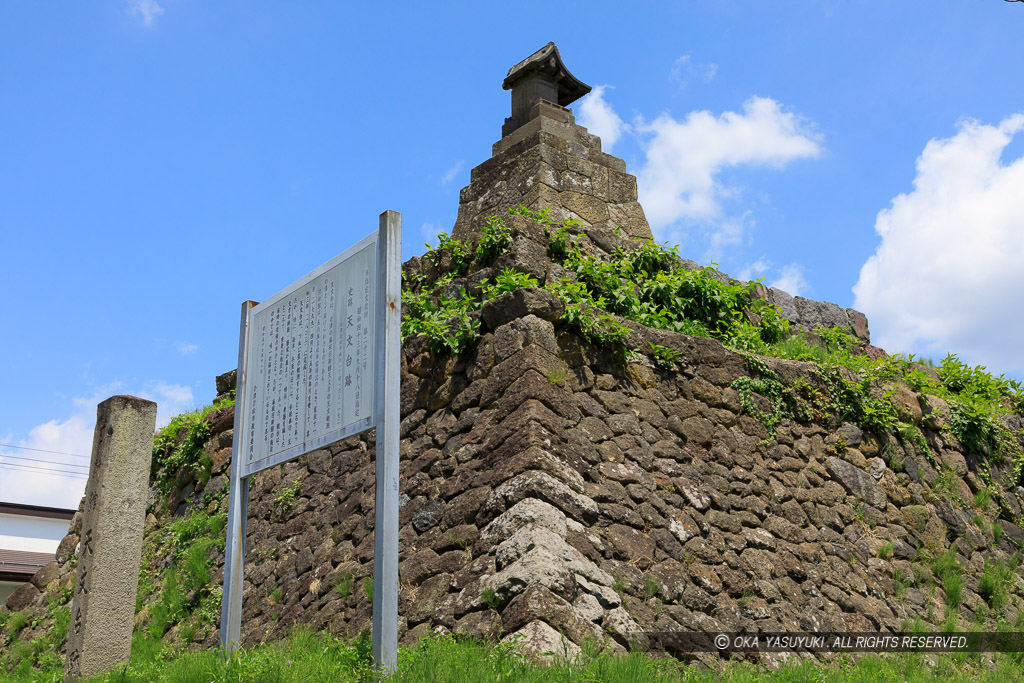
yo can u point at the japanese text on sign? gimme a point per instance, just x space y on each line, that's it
310 367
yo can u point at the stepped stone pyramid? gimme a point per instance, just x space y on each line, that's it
555 493
544 159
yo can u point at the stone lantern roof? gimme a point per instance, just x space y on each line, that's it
541 76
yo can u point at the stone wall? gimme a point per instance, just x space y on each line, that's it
550 491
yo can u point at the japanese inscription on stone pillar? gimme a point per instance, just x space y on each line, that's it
110 549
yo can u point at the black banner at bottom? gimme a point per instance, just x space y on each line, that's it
836 642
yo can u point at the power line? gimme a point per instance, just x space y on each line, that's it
63 473
41 450
51 462
26 469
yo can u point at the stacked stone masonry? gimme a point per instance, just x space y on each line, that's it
552 162
546 489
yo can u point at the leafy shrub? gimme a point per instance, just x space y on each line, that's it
650 285
489 599
287 497
664 357
509 280
181 446
447 323
458 252
495 238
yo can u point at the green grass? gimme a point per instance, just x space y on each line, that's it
169 609
995 582
951 577
306 656
16 622
344 585
195 569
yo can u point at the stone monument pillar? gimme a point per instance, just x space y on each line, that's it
544 159
109 553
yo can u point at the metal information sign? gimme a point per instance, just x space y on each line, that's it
310 367
320 361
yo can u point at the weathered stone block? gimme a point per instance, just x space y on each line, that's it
529 537
226 382
534 385
537 567
521 303
520 332
539 603
485 624
531 358
24 595
530 511
856 481
544 486
539 640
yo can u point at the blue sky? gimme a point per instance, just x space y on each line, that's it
163 160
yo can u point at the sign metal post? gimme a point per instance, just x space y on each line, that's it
238 506
389 329
317 362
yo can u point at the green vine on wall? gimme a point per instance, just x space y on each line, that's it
649 284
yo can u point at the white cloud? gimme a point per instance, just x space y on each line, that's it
947 275
680 177
754 270
599 118
451 173
148 11
186 348
171 400
789 278
428 233
69 435
727 232
685 68
73 435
